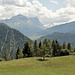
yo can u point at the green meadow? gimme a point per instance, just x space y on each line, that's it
34 66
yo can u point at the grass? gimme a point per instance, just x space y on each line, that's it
33 66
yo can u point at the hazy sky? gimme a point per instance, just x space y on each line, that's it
49 12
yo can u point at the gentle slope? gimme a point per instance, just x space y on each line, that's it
31 66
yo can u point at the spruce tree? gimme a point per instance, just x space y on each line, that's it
40 44
27 50
24 51
64 45
31 49
19 53
49 48
58 48
5 54
44 49
36 47
69 46
54 47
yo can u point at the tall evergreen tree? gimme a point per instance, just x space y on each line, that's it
69 46
64 45
19 53
40 44
5 54
45 48
36 47
45 42
58 48
43 51
31 49
27 50
49 48
54 47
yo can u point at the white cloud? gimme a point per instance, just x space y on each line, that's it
54 2
70 3
15 2
36 9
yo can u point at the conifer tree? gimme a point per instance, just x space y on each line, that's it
64 45
12 57
44 49
40 44
26 50
58 48
5 54
36 48
19 53
69 46
54 47
31 49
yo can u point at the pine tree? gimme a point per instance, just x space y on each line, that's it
64 45
27 50
49 48
44 49
54 47
58 48
31 49
12 56
36 47
5 54
40 44
45 42
19 53
24 51
69 46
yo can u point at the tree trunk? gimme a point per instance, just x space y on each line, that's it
43 58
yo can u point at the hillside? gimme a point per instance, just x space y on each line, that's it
32 66
63 28
25 25
61 37
11 38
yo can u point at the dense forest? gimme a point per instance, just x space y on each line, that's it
43 49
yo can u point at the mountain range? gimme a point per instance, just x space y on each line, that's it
27 26
61 37
33 27
63 28
62 33
11 38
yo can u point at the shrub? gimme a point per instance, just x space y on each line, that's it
1 59
64 52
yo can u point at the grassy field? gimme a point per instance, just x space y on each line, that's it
33 66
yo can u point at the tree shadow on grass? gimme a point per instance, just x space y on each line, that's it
42 59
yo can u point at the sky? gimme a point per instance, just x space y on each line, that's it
49 12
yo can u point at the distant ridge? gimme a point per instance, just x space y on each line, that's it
61 37
27 26
63 28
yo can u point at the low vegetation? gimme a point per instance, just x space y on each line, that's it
33 66
43 49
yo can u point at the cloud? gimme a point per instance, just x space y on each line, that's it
54 2
36 9
70 3
15 2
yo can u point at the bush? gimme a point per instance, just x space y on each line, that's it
1 59
64 52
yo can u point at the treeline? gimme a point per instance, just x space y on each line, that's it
46 48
